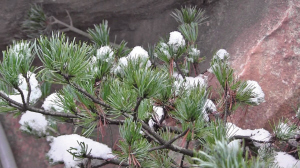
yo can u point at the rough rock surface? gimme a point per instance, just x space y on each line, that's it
269 53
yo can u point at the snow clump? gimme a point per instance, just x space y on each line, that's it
189 82
222 54
256 134
194 54
36 92
105 53
284 160
137 53
176 40
158 116
209 107
257 94
59 146
32 122
52 102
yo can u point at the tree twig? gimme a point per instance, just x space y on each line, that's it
182 158
178 68
29 89
69 16
94 99
169 142
21 107
71 27
135 116
112 161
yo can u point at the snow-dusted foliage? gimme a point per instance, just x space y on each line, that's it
222 54
190 82
52 102
59 146
32 122
105 53
157 116
164 49
22 49
176 40
137 53
257 95
194 54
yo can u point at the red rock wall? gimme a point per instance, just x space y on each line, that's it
269 53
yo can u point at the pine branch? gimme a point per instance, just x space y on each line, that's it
186 147
94 99
172 129
111 161
22 95
163 142
23 107
71 27
169 142
29 89
139 100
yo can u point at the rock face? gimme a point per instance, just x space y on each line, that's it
269 53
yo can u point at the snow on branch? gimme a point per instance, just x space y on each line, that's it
60 145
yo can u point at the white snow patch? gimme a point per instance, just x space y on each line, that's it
36 92
208 108
285 160
189 82
194 53
105 53
221 54
235 144
53 102
158 116
257 93
36 121
159 112
137 53
164 49
256 134
151 123
176 40
59 146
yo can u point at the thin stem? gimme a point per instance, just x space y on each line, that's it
69 16
186 147
22 96
163 142
21 107
29 89
169 142
72 28
112 161
139 100
178 69
94 99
